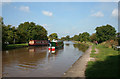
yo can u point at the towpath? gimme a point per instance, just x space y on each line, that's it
79 67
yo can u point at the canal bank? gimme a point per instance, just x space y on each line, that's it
79 67
14 46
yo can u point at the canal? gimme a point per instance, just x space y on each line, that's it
38 62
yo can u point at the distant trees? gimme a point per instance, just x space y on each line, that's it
105 33
76 38
53 36
63 38
67 38
30 31
93 37
81 37
23 33
84 36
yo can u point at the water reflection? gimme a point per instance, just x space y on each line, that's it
67 44
38 62
24 59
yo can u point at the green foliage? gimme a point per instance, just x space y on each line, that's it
23 33
104 33
110 43
118 38
63 38
1 23
85 36
13 46
81 37
82 47
93 37
29 31
53 36
76 38
106 65
67 37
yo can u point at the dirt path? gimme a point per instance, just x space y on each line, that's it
78 68
97 51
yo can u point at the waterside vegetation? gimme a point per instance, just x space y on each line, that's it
106 63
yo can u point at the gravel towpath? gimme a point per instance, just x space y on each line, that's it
79 67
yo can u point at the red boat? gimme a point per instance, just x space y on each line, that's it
38 42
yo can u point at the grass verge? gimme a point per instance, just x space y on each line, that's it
106 65
13 46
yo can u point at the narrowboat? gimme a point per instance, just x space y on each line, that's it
57 44
38 42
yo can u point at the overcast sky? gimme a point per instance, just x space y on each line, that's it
63 18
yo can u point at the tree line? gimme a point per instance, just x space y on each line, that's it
23 33
103 33
30 31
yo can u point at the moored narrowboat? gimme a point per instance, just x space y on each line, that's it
57 44
38 42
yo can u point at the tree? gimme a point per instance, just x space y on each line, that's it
118 38
84 36
53 36
76 38
30 31
105 33
81 37
39 33
1 25
63 38
93 37
67 38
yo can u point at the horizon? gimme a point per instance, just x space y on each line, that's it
63 18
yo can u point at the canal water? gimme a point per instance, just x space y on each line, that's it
38 61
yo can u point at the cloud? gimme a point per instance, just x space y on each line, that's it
98 14
47 13
115 12
24 8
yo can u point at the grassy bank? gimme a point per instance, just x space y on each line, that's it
82 46
13 46
106 63
86 43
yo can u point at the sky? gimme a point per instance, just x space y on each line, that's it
63 18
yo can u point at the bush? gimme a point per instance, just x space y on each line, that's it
109 43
